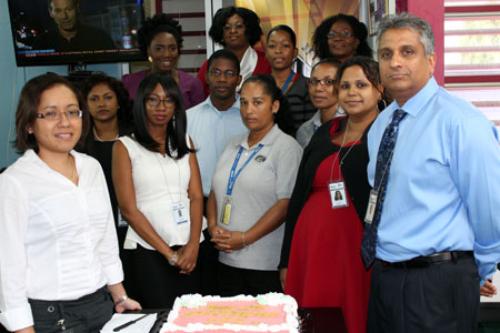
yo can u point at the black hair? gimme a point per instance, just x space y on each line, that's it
368 65
253 31
155 25
329 61
124 114
320 40
175 140
284 28
125 105
27 107
282 118
224 54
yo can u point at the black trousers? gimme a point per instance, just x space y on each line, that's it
439 298
235 281
154 282
84 315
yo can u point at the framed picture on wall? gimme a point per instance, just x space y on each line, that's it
376 10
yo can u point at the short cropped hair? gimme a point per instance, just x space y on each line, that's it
27 108
225 54
155 25
253 31
284 28
408 21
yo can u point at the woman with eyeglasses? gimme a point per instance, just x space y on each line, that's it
341 37
321 265
281 52
158 187
321 87
59 263
251 188
238 29
160 40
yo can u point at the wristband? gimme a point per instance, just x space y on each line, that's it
173 259
122 299
243 239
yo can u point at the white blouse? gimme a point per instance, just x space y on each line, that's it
159 182
57 239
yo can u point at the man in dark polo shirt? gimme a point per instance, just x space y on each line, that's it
71 35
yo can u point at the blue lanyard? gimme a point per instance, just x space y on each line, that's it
233 174
287 82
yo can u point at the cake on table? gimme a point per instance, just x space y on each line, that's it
273 312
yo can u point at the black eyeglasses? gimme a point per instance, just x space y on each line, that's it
218 73
56 115
154 101
339 34
323 82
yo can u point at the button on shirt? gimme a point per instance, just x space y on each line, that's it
211 130
443 190
269 177
57 239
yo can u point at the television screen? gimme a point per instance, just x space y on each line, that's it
54 32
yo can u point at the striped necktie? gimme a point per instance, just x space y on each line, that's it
384 158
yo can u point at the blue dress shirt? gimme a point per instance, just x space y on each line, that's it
443 193
211 130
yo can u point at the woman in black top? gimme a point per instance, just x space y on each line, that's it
111 117
321 265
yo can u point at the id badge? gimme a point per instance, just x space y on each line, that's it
179 212
121 221
338 195
226 211
372 204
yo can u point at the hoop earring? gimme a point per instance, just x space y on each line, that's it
382 104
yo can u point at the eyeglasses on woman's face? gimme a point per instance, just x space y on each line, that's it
339 34
323 82
154 101
53 115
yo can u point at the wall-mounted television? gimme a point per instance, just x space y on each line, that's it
73 32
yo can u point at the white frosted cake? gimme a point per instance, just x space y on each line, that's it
271 312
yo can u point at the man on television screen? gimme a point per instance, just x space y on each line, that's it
71 34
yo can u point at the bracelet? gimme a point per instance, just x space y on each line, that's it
243 239
173 259
122 299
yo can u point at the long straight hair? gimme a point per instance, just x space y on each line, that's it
175 140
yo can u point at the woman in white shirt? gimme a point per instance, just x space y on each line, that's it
58 249
158 187
251 188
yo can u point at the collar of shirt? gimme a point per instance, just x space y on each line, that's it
207 104
267 140
417 102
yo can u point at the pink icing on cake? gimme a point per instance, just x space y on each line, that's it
273 312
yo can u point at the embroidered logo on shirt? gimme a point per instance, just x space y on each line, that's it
260 158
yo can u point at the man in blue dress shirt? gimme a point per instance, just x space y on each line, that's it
211 125
438 237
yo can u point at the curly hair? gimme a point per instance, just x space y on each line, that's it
155 25
253 31
320 40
